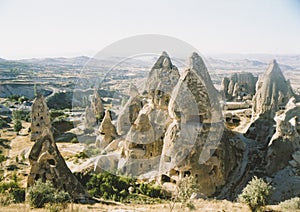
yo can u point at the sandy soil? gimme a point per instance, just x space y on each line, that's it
200 205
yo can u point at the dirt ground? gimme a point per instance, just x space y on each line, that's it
200 205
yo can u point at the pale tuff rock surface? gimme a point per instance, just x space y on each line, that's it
161 80
133 91
195 132
240 86
286 140
130 111
272 91
272 94
89 117
107 131
174 130
48 164
40 118
96 104
128 115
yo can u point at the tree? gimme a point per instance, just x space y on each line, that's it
17 125
256 193
42 193
184 190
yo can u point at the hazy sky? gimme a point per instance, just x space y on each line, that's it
71 28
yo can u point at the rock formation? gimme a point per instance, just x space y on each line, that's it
286 140
97 106
129 112
240 86
191 142
178 130
46 161
161 80
40 118
107 132
89 117
272 92
48 164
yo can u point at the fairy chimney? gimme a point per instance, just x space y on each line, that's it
40 118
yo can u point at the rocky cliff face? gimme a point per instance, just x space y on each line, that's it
240 86
286 140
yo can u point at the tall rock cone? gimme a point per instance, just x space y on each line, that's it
195 132
272 92
40 117
161 80
107 131
48 164
97 106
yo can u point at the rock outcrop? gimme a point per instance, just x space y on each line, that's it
129 112
48 164
239 87
192 140
272 94
97 106
273 91
107 132
89 117
161 80
46 161
286 140
40 118
175 129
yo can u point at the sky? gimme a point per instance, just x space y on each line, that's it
68 28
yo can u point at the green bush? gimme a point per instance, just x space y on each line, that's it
21 115
291 204
11 193
185 188
17 125
57 114
2 158
18 195
42 193
3 123
110 186
256 193
81 155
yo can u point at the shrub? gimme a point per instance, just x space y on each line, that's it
291 204
185 188
21 115
42 193
81 155
3 123
256 193
11 192
17 125
2 158
110 186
